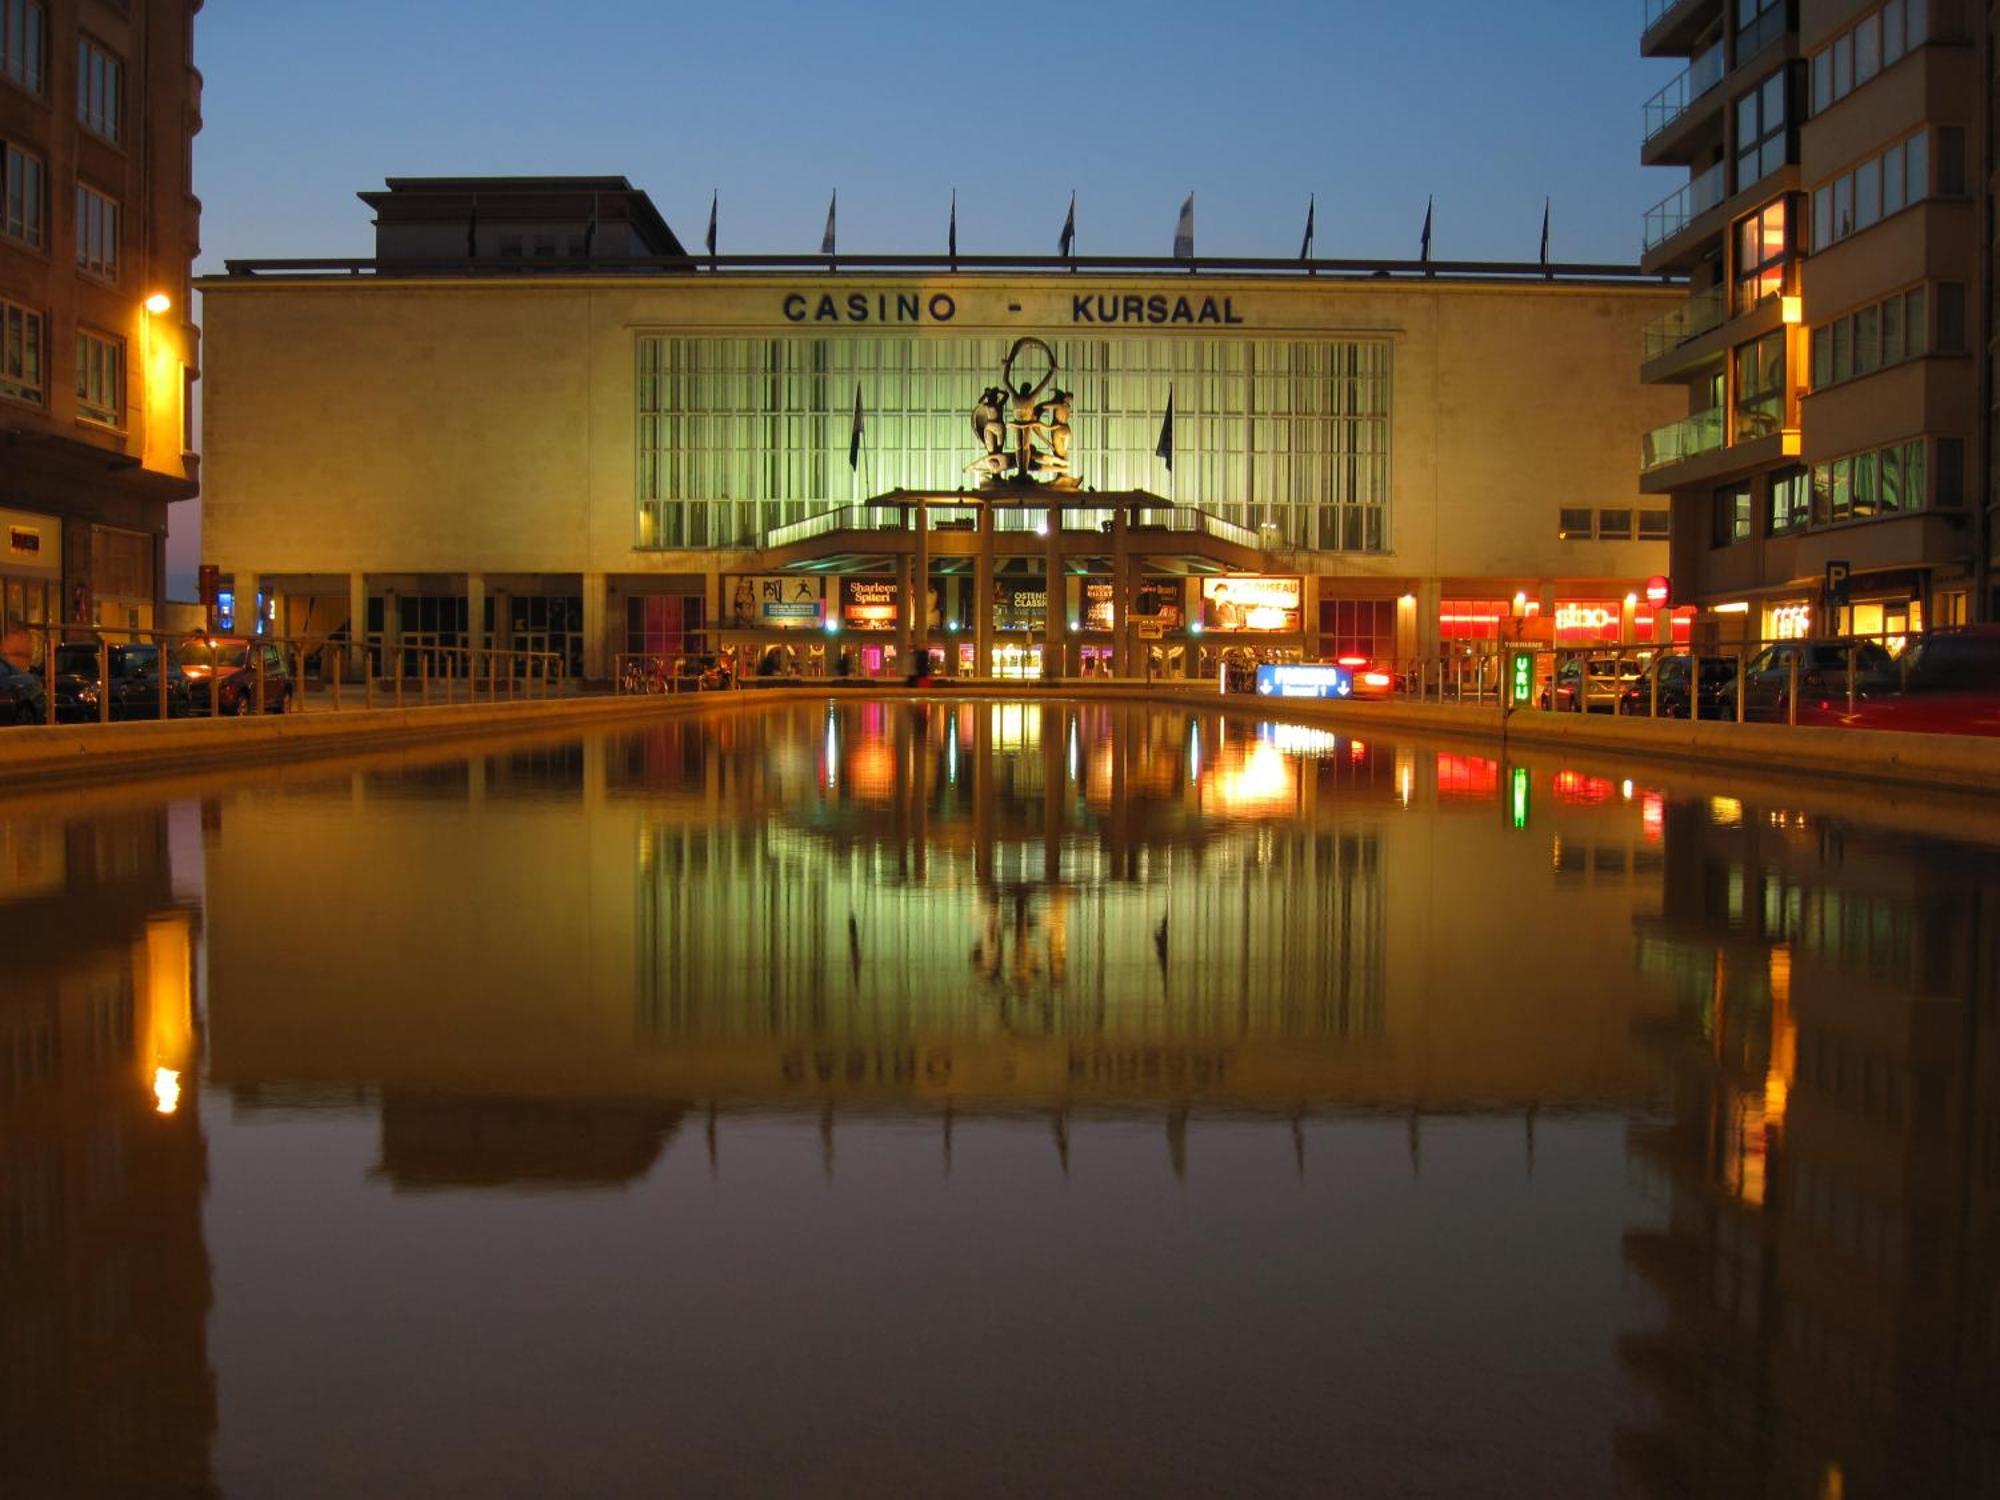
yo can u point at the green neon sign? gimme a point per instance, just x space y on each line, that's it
1524 676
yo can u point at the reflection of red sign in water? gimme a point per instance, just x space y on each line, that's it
1471 778
1575 787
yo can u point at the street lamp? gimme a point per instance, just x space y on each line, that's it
159 303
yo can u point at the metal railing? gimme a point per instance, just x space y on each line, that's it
1701 313
1828 678
1185 518
1692 435
1689 85
1657 11
1679 209
208 673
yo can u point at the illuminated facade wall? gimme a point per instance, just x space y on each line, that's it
740 435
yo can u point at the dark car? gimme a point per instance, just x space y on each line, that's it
1718 688
22 700
1951 685
1822 676
134 689
235 667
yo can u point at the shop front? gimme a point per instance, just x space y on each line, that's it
30 580
1249 619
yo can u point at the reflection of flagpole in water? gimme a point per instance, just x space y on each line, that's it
1416 1141
947 1137
711 1139
826 1139
1177 1121
1299 1142
1062 1139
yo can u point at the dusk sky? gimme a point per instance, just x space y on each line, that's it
1251 106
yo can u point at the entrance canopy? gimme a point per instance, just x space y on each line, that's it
952 529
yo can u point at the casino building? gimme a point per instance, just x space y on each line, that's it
534 420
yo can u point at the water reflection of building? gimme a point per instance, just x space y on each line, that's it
954 905
105 1384
1828 1167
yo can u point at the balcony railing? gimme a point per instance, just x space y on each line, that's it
1675 212
1673 101
1656 9
1694 317
1700 433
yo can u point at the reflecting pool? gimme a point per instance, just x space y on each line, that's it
997 1099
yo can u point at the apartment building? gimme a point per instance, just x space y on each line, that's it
99 226
1831 473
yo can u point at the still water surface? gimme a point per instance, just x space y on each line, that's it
996 1099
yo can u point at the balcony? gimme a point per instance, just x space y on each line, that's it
1698 315
1673 28
1673 101
1677 210
1679 441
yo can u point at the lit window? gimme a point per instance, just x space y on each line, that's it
1762 249
98 79
100 378
23 43
96 232
23 341
1760 387
23 179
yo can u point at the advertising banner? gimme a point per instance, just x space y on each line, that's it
783 602
868 603
1245 602
1158 601
1019 607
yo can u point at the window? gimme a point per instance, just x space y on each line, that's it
1732 515
1761 249
1878 40
735 436
97 88
23 42
23 179
23 340
96 232
1757 22
1358 627
1761 138
1573 524
1760 387
1614 525
1886 183
1655 525
1875 337
100 378
1882 481
1790 495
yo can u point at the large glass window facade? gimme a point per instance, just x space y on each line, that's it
737 436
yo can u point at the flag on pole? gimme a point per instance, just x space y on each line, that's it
1066 246
1165 447
1426 241
713 198
854 433
1545 231
826 240
1184 231
951 236
1306 245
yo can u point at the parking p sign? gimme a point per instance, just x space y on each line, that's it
1836 584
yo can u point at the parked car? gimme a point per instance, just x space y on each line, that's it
236 666
1822 669
1950 685
134 688
22 700
1370 678
1603 678
1718 688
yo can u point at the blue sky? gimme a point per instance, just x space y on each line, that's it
1251 105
